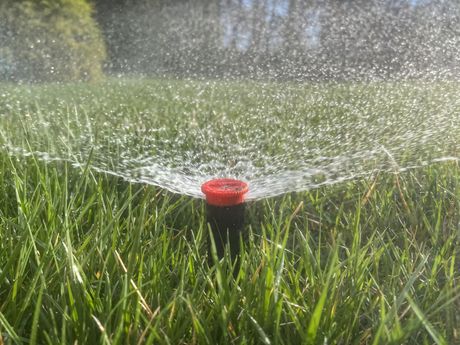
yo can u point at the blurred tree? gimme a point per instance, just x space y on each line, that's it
123 22
176 37
50 40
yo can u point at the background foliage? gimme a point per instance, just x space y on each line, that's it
49 41
275 39
283 39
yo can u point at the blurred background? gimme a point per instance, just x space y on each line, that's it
305 40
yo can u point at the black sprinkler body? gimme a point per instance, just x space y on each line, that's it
225 209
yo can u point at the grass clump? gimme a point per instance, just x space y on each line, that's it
89 258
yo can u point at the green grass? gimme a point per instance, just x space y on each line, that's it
88 258
263 127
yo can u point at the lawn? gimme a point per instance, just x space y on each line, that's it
362 253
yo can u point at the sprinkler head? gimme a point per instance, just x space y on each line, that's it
225 213
224 192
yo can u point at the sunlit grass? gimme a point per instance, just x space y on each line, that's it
260 132
88 258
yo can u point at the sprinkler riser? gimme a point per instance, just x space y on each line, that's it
227 224
225 213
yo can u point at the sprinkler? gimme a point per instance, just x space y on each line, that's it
225 212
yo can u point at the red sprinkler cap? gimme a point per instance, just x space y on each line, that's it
224 192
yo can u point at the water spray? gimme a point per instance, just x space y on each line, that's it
225 212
